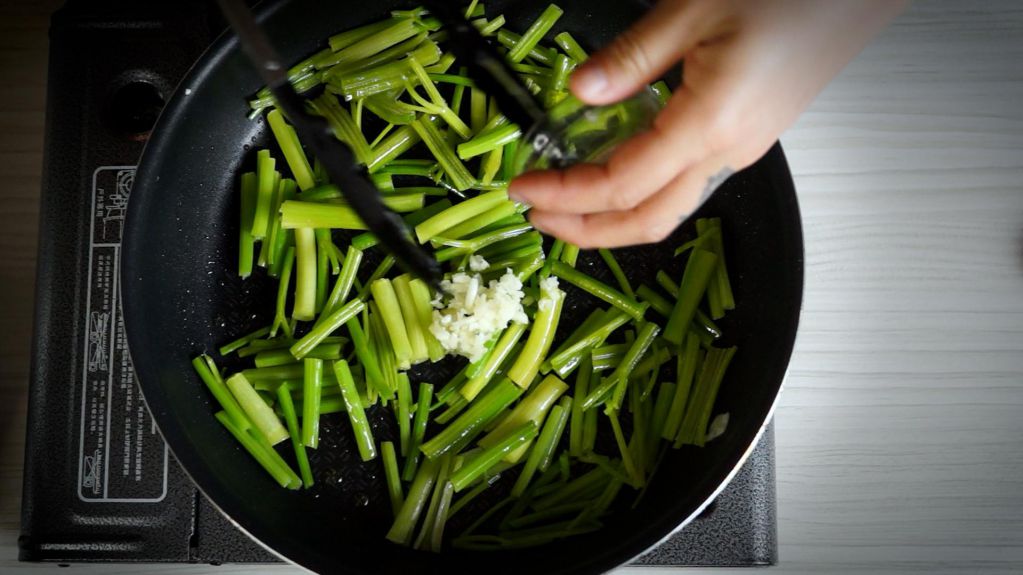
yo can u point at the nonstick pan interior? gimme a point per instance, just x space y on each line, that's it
181 298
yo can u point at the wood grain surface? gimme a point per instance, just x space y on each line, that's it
900 432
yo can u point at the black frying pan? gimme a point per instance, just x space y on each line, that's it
181 298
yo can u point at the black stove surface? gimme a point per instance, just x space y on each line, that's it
100 484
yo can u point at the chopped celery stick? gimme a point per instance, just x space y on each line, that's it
687 359
488 141
312 383
272 357
264 193
404 413
456 171
259 414
344 282
470 423
391 475
210 375
539 54
399 142
299 214
657 302
599 289
390 311
246 243
571 47
517 438
697 274
535 33
415 501
356 414
500 352
663 92
349 37
264 455
616 271
458 213
305 274
343 125
418 432
291 418
413 326
693 429
287 139
541 336
424 311
395 32
244 340
324 328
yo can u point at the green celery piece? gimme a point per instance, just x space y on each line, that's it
535 33
324 328
693 429
697 274
490 456
299 214
470 423
616 271
500 352
259 414
599 289
488 141
458 213
396 31
390 311
356 414
540 54
343 126
312 384
305 274
264 193
387 107
571 47
424 310
242 341
687 360
404 413
394 492
287 139
541 336
291 418
349 37
456 171
409 312
402 529
719 283
343 284
264 455
396 144
418 432
246 243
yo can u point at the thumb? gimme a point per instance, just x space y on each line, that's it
639 55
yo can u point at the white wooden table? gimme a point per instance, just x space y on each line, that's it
900 432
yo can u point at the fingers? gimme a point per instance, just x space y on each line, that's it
639 55
637 169
651 221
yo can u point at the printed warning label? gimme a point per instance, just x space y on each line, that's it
122 457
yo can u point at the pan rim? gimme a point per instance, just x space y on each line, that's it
224 45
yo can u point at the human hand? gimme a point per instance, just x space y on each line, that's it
751 67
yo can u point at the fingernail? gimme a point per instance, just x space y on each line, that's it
590 81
